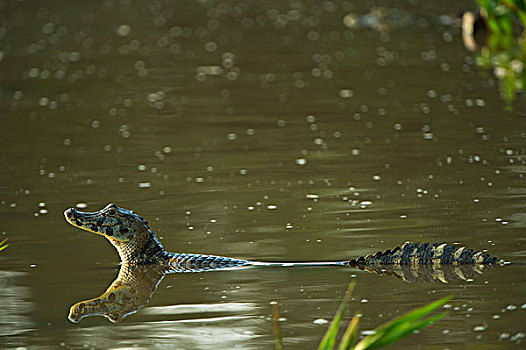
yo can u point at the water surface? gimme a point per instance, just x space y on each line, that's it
265 131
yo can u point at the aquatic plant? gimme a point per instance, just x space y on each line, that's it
504 49
382 336
4 244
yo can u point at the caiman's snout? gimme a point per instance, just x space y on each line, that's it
115 223
71 216
68 214
85 221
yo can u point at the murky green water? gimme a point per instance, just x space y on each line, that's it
259 130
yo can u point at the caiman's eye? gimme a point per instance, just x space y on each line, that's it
111 212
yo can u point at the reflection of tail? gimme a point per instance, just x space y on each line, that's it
429 273
426 254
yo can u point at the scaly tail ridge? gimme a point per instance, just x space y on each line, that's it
427 254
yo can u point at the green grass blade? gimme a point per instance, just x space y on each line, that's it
403 325
405 329
329 339
350 335
416 314
4 244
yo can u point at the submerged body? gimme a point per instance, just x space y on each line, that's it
137 244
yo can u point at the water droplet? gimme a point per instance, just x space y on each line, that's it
480 328
320 321
123 30
211 46
511 307
301 161
346 93
43 101
311 119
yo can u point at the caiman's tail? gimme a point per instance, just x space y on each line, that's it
427 254
181 262
299 263
409 254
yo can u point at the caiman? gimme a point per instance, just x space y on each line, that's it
144 262
136 244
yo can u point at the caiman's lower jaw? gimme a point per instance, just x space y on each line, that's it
78 219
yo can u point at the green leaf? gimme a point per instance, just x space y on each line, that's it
406 329
350 335
4 244
506 25
329 339
402 326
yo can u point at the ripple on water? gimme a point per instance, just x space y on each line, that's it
221 308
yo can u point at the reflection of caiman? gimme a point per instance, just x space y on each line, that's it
145 262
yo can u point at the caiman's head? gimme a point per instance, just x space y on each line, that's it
114 223
127 231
